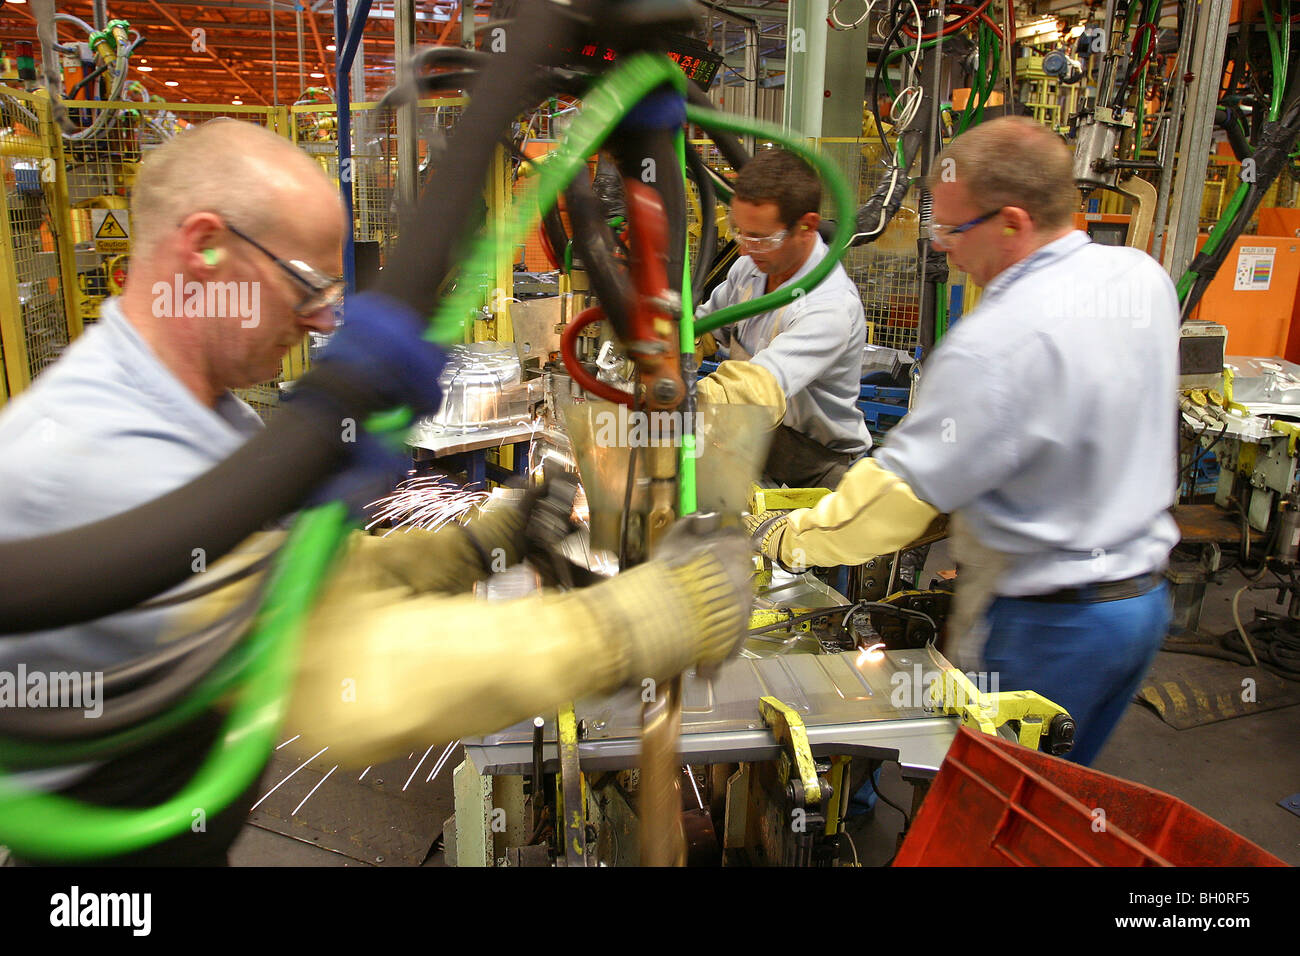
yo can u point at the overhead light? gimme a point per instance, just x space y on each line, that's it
171 83
318 76
236 102
331 47
145 69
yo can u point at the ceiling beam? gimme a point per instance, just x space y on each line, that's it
207 50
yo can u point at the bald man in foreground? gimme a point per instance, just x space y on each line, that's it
1045 424
238 243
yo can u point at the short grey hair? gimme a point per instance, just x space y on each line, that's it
1013 161
226 166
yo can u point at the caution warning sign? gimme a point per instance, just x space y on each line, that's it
111 230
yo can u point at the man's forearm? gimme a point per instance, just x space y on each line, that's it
743 383
381 672
871 512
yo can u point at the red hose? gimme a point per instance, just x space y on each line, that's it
569 353
971 12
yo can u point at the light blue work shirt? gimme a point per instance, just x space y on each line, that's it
1047 418
105 428
813 347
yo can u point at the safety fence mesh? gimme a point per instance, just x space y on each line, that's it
35 320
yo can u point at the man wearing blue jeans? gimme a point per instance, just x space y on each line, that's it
1044 425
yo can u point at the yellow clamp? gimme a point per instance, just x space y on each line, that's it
953 693
1291 431
762 617
1226 399
789 731
783 499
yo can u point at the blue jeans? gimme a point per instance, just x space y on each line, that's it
1088 658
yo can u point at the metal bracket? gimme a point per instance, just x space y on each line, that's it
789 731
569 791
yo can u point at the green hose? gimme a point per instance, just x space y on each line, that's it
894 55
54 827
47 826
686 489
845 210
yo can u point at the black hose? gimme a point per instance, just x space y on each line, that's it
729 145
171 599
461 80
636 150
64 578
437 56
88 78
141 703
595 245
537 39
1228 118
1274 145
879 72
708 246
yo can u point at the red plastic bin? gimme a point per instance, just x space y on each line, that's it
996 803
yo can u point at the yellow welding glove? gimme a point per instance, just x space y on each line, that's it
449 559
764 532
743 383
871 512
705 346
381 671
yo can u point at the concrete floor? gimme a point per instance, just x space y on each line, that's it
1235 771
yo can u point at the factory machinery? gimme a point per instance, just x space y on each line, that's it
756 761
826 688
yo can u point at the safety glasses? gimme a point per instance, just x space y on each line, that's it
758 243
321 291
939 233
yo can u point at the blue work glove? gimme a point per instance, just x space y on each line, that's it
377 360
372 471
380 348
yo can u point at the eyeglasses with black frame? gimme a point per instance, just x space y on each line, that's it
938 233
323 291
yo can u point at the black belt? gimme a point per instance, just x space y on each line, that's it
1104 591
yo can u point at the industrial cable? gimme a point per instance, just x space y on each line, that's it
970 13
707 248
907 819
841 197
729 145
1236 618
135 671
1277 138
154 545
890 609
538 39
186 595
142 703
53 827
798 619
595 244
897 25
852 846
836 23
